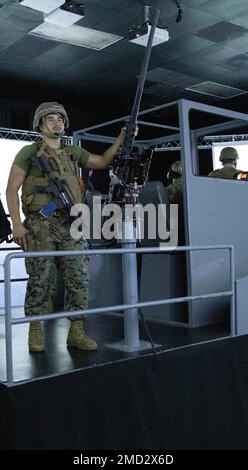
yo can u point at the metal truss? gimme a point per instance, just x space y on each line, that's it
212 139
204 142
174 144
29 136
167 142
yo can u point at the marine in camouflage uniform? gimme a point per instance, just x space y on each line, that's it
228 158
174 190
53 234
39 233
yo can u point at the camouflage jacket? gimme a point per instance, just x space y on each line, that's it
227 172
174 191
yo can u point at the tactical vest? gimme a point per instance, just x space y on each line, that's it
65 167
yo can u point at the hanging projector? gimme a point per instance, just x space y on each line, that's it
140 34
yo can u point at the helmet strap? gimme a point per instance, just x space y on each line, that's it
52 135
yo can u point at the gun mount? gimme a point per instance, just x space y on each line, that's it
128 175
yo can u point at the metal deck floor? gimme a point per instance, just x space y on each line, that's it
106 329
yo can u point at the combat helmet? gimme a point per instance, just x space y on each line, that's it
228 154
49 108
175 171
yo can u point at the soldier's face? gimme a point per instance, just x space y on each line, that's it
54 123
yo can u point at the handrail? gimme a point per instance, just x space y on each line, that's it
161 249
15 279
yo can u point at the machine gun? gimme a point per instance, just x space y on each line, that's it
5 228
132 174
130 170
63 197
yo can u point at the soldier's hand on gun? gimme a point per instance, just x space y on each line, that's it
19 235
123 132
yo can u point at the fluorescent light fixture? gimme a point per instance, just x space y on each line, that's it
77 35
216 89
42 5
62 18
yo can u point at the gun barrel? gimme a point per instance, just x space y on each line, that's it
142 77
132 122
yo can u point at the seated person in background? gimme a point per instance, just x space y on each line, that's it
228 158
174 193
174 190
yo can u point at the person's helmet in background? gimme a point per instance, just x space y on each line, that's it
228 154
175 171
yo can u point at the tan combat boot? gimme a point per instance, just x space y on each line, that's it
78 338
35 337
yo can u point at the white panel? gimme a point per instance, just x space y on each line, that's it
62 17
77 35
42 5
8 151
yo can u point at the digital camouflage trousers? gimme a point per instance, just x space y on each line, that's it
53 233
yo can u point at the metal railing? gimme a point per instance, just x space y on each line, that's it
9 321
15 279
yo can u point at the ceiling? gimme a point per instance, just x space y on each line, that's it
209 44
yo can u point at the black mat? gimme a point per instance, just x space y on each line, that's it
190 398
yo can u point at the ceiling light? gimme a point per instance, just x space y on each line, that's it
216 89
77 35
46 6
62 17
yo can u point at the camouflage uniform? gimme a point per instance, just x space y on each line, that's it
227 172
228 157
53 233
174 191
